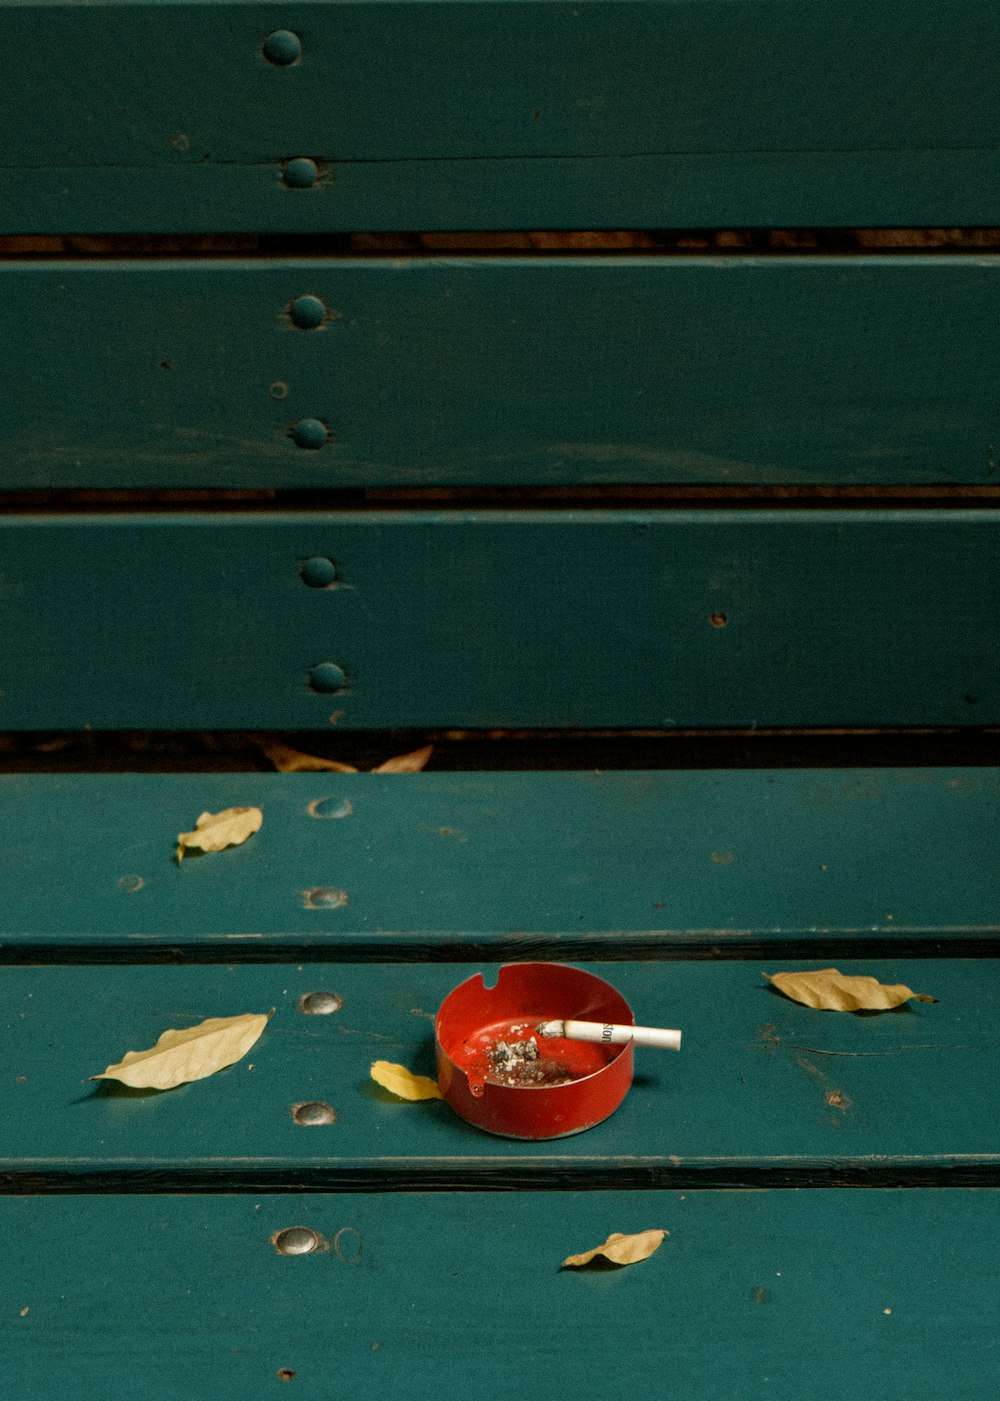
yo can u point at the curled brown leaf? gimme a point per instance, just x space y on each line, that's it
828 990
406 763
288 760
620 1249
191 1054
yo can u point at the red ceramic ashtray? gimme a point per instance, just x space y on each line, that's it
491 1075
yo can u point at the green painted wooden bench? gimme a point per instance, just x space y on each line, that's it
605 392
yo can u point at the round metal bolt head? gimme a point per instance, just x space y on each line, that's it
301 173
313 1113
327 678
282 48
324 897
319 573
330 807
321 1004
307 312
296 1240
310 433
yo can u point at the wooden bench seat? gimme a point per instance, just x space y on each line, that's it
661 370
502 619
765 1093
478 367
467 866
753 1294
603 114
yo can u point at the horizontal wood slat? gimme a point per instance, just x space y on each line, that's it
757 190
764 1091
605 113
515 865
768 1296
502 371
499 619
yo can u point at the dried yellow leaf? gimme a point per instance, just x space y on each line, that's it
831 991
621 1250
214 831
288 760
192 1054
406 763
402 1082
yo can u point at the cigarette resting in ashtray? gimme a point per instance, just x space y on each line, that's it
611 1034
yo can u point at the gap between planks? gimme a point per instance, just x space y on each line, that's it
681 242
505 751
619 496
656 946
507 1175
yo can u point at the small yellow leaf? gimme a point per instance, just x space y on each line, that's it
191 1054
830 991
621 1250
406 763
288 760
403 1083
214 831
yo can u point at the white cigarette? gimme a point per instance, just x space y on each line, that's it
611 1034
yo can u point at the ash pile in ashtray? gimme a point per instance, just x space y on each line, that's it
521 1063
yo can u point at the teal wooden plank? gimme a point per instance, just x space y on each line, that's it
501 865
510 114
901 189
764 1091
739 370
499 619
504 865
765 1296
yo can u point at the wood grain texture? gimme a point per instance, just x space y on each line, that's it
510 371
906 189
503 865
763 1089
469 115
757 1295
500 619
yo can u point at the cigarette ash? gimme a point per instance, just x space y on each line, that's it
521 1064
505 1053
